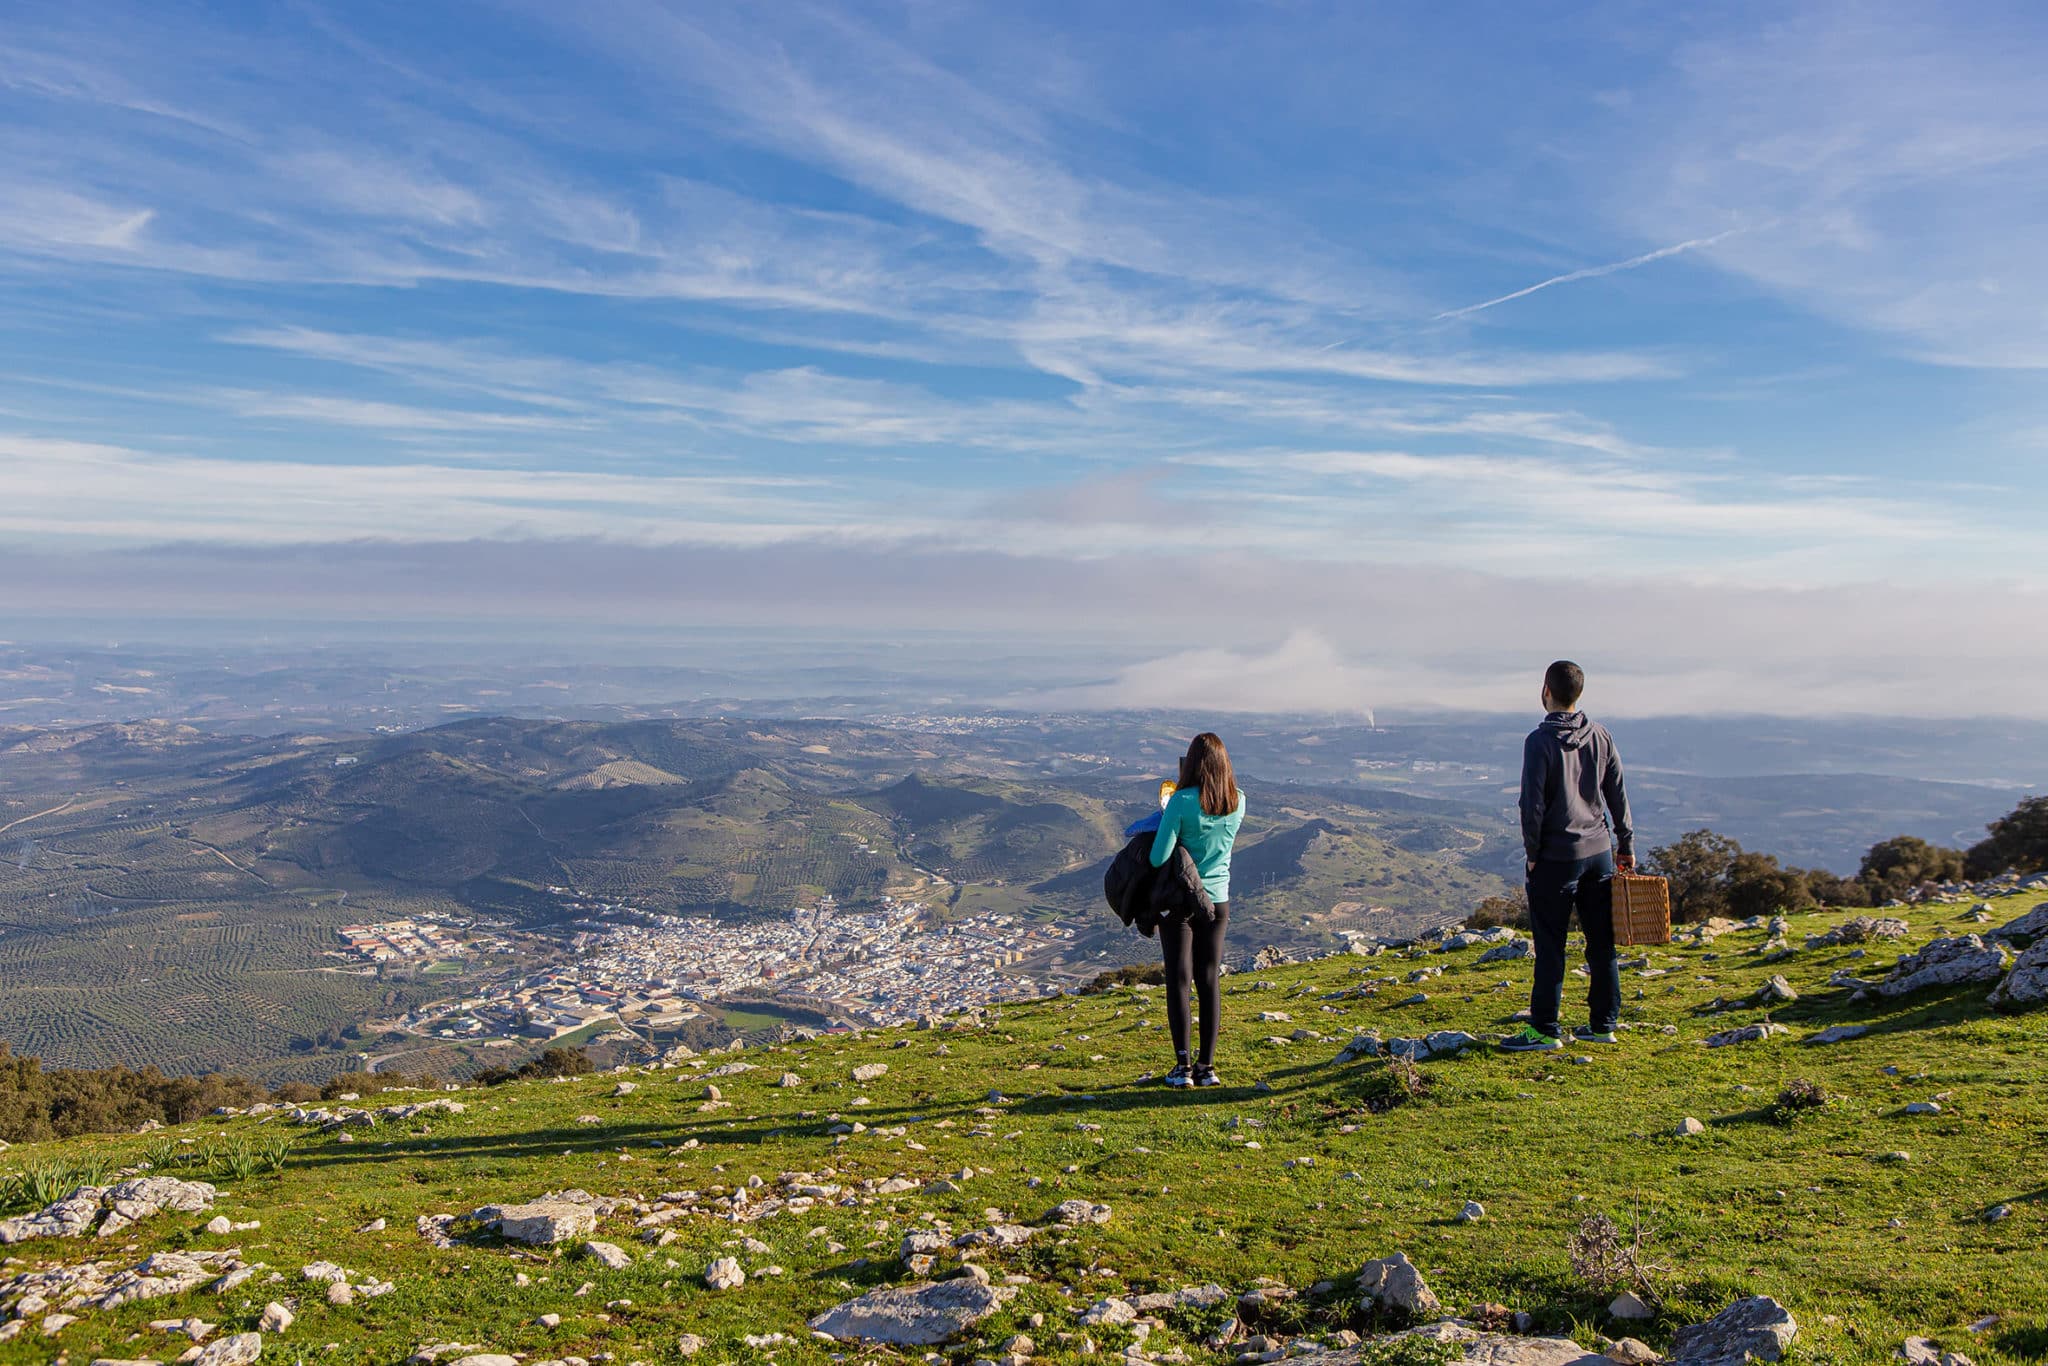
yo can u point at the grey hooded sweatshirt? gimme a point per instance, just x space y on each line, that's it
1569 770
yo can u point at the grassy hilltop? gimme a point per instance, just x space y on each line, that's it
1242 1186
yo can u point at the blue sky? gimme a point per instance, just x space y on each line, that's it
1380 349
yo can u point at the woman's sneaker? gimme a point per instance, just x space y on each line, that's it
1205 1075
1181 1075
1588 1034
1531 1040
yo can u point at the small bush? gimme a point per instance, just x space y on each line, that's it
1608 1260
1129 975
1392 1086
1495 911
1799 1098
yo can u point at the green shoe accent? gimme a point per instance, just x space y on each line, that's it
1531 1040
1587 1034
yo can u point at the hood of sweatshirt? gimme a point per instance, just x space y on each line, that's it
1572 729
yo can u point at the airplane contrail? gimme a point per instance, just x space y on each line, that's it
1592 272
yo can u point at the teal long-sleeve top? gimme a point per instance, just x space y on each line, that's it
1208 838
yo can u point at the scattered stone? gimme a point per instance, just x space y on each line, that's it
788 1079
374 1226
1921 1352
1473 1347
1442 1044
1629 1305
1688 1127
921 1315
1631 1352
239 1350
1395 1283
220 1224
340 1295
1777 989
1924 1107
1109 1313
725 1274
1074 1212
870 1071
1838 1034
540 1223
1753 1329
1754 1033
1472 1213
276 1318
1509 952
1946 962
611 1254
1860 929
689 1344
107 1210
1417 999
625 1088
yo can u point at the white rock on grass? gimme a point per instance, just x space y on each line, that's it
107 1210
725 1274
220 1224
1395 1283
1754 1329
1946 962
1629 1305
276 1318
239 1350
1076 1212
1688 1127
1472 1213
870 1071
924 1315
1469 1346
540 1222
2026 985
611 1254
1755 1033
1838 1034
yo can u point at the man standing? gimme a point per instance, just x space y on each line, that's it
1572 846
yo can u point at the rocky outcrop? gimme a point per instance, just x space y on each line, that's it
1755 1329
1442 1044
1394 1283
1509 952
2028 929
1860 929
1074 1212
1837 1034
923 1315
1960 961
1475 1347
540 1223
2026 985
107 1210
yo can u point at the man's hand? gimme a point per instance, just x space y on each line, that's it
1625 863
1529 867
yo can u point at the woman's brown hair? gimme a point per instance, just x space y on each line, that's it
1207 766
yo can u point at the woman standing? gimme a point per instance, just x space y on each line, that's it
1202 816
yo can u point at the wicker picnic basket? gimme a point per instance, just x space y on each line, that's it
1642 909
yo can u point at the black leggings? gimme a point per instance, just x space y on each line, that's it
1194 953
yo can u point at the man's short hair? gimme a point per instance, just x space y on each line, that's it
1566 682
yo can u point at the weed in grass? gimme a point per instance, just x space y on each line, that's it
1609 1260
1800 1097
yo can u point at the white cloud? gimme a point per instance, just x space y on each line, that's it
1304 673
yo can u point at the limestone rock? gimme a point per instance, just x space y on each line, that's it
1629 1305
1757 1328
870 1071
2030 928
1472 1213
1860 929
541 1223
1754 1033
1441 1044
1109 1313
1476 1348
923 1315
1631 1352
789 1079
276 1318
1946 962
107 1210
689 1344
1395 1283
239 1350
725 1274
486 1359
1921 1352
1688 1127
611 1254
220 1224
1777 989
2026 986
625 1088
1838 1034
1075 1212
1511 951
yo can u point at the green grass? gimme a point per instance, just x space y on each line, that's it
1792 1201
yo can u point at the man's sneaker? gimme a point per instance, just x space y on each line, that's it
1531 1040
1205 1075
1181 1075
1588 1034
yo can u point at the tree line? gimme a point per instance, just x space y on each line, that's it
1713 875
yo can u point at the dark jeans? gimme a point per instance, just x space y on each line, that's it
1194 953
1556 889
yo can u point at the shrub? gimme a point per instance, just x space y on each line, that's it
1608 1260
1394 1085
1511 911
1129 975
1799 1098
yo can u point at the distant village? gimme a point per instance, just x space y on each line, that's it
876 964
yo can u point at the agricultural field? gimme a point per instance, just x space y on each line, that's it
1885 1186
